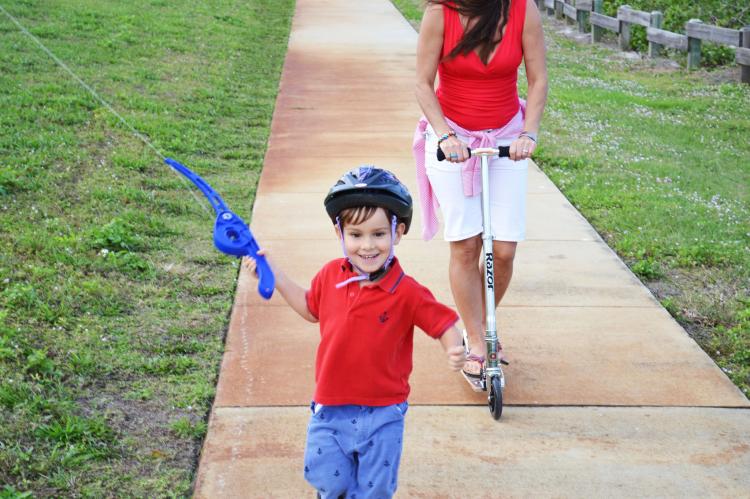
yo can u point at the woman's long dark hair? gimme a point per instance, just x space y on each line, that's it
489 14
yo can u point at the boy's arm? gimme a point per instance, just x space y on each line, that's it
293 293
452 342
432 317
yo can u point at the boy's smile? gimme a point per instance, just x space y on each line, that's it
368 244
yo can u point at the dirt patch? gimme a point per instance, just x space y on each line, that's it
145 424
706 296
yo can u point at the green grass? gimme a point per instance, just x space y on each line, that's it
113 302
410 9
659 162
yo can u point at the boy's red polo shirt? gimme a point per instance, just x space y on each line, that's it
366 334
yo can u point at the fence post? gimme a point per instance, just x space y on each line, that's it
582 16
694 49
596 31
550 10
745 42
559 9
624 38
657 18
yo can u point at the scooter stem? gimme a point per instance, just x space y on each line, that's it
490 337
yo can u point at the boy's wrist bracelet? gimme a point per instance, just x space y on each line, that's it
445 136
530 135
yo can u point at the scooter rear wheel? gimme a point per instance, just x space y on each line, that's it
495 397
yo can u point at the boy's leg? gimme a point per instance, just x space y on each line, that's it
380 455
328 468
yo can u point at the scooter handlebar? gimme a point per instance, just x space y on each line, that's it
502 152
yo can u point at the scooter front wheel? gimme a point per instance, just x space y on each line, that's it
495 397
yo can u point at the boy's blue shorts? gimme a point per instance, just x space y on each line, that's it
354 450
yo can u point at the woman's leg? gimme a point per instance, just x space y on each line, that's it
504 253
468 292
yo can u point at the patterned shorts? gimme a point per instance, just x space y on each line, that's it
354 450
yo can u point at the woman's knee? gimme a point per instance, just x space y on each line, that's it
504 253
466 252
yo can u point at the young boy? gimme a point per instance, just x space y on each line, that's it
367 308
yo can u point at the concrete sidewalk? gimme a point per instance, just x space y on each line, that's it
606 394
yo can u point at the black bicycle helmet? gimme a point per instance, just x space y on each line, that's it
370 186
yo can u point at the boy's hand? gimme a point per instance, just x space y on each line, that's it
249 262
456 357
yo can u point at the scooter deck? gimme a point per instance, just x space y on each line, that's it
475 382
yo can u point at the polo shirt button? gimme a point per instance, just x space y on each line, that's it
351 294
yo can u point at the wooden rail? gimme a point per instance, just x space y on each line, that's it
667 38
588 15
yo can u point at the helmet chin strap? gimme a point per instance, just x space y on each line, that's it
362 275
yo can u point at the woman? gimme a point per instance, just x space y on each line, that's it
476 46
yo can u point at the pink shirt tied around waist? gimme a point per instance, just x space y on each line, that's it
471 169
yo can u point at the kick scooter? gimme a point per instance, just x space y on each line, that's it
491 374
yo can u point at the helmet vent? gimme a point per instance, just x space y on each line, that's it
364 171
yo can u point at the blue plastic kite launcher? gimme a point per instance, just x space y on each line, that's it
231 234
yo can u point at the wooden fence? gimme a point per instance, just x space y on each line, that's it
588 15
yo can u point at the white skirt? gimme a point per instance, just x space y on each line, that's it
462 215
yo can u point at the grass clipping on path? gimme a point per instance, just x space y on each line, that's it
113 302
658 161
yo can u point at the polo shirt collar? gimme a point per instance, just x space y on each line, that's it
389 282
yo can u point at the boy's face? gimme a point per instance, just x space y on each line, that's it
368 244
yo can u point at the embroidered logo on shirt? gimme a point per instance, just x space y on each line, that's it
383 317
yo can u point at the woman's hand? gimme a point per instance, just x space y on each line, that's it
455 151
522 148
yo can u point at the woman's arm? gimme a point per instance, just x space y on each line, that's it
429 51
534 55
292 292
536 75
429 48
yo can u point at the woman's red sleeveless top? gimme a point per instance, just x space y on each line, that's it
475 96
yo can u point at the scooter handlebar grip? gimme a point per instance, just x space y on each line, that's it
503 152
441 154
